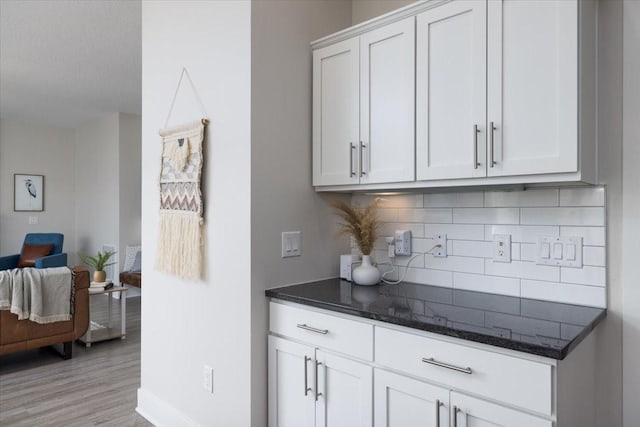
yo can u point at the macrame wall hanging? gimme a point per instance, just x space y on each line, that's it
180 240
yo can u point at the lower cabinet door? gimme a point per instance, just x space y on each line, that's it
291 387
471 412
401 401
345 392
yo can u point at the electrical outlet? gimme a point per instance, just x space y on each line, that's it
207 380
441 250
502 248
403 242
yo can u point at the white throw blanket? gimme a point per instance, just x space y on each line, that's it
40 295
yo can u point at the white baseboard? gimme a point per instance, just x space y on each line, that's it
160 413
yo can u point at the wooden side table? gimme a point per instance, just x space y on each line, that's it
107 332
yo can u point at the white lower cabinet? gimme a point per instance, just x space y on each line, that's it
331 369
471 412
400 401
309 387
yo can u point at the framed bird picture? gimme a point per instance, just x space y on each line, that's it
28 192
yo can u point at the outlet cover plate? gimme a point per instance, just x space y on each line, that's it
440 239
502 248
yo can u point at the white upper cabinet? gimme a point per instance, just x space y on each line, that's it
387 94
335 113
363 108
458 93
451 95
532 93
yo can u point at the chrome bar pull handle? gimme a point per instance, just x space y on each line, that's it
317 388
362 147
492 128
455 416
476 131
432 361
352 148
438 405
306 385
312 329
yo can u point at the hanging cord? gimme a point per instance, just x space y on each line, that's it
406 269
195 94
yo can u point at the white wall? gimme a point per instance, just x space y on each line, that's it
189 324
282 198
97 204
26 147
129 186
608 335
630 214
363 10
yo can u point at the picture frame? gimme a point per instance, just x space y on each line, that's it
28 193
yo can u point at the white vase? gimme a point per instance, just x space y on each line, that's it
366 274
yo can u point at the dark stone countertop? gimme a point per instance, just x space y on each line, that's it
543 328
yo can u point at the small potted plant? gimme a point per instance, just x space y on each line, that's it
363 226
99 262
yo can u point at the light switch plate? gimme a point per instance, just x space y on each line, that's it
290 244
560 251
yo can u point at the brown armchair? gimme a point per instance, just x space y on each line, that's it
20 335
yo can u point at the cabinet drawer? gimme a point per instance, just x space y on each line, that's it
520 382
323 330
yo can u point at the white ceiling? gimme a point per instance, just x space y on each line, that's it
68 61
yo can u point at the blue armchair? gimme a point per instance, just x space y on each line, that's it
55 259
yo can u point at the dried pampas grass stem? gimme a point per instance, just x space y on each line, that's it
361 224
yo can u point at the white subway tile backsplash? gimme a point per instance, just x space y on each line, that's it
562 216
562 292
388 229
470 219
593 255
455 263
528 198
437 215
454 200
592 236
528 252
516 249
521 233
587 275
472 248
456 231
393 201
522 270
429 277
592 196
486 215
388 215
482 283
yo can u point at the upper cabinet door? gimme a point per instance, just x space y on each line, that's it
532 86
387 102
451 91
335 114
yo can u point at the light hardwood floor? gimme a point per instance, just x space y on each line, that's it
96 388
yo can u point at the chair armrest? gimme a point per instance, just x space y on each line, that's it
8 262
58 260
82 277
